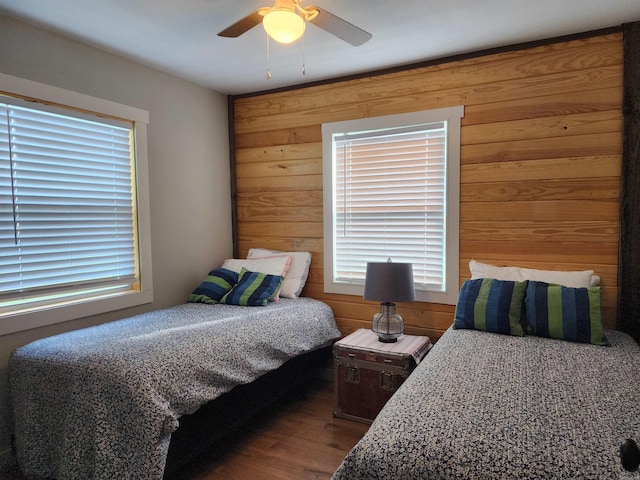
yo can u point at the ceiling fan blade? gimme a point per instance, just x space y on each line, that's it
241 26
340 28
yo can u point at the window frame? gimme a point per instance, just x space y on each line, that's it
452 118
28 316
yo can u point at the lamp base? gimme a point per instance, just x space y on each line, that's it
387 323
387 340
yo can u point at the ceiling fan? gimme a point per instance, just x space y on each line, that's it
285 22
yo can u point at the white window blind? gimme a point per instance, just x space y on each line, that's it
390 200
391 188
67 210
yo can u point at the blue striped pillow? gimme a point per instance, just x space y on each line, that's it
214 287
253 289
573 314
491 305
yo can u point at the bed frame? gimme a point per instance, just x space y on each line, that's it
234 409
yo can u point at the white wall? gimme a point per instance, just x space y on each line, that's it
188 167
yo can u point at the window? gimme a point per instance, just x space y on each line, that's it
70 198
392 191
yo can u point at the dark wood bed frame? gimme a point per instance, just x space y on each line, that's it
629 253
229 412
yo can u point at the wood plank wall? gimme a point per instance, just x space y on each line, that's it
540 163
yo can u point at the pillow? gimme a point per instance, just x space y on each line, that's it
484 270
293 283
214 287
573 314
253 289
272 265
575 279
491 305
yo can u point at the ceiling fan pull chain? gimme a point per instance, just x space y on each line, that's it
268 60
304 51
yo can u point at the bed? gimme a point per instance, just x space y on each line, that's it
489 406
514 402
103 402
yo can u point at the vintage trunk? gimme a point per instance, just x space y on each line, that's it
368 372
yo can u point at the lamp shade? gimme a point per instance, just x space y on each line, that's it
389 282
283 25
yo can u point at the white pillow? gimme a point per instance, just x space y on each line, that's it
579 279
484 270
298 272
271 265
575 279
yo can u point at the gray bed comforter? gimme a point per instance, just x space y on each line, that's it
102 402
486 406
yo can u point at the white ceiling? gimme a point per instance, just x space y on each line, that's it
179 36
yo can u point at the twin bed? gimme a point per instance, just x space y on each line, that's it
525 384
490 406
106 402
103 402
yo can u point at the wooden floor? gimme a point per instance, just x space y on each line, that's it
298 439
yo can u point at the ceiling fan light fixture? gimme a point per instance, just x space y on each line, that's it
283 25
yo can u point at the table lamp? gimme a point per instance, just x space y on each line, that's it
388 282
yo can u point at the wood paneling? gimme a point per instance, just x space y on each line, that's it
540 163
543 106
546 127
559 169
528 65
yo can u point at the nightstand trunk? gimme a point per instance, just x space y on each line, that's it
368 372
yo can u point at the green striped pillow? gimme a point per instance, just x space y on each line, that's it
573 314
491 305
214 287
253 289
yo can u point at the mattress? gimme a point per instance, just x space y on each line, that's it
489 406
102 402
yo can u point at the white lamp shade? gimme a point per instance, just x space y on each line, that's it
283 25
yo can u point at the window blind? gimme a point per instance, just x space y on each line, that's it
390 201
67 210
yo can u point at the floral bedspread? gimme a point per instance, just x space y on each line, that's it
102 402
484 406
